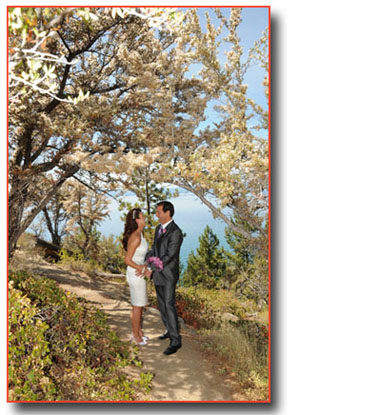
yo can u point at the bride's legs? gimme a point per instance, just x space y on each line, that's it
136 323
141 323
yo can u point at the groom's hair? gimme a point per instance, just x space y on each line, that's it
167 206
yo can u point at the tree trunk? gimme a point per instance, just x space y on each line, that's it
18 225
16 205
55 237
147 196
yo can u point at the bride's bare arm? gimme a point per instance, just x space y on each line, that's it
133 243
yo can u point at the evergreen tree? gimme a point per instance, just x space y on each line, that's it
248 262
243 250
206 268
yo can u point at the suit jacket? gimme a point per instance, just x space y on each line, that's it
167 247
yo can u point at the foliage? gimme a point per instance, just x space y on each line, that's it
242 348
33 65
243 249
228 161
28 351
248 263
143 107
61 348
252 282
87 209
118 60
109 257
111 254
146 190
75 261
87 244
55 215
206 268
203 308
30 64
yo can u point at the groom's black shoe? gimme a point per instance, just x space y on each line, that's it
172 349
164 336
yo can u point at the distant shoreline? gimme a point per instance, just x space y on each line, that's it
191 215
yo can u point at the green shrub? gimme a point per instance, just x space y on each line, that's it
28 351
203 308
78 357
111 254
77 262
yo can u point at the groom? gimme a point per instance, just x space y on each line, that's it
167 243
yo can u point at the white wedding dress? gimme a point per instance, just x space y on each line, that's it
137 285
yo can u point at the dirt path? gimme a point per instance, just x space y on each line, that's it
184 376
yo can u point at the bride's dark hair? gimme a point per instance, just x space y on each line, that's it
130 225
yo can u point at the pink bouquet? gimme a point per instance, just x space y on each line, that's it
155 263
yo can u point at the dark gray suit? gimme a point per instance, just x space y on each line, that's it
167 247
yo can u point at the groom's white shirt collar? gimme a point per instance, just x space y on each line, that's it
167 223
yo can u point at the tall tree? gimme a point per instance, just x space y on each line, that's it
207 267
122 64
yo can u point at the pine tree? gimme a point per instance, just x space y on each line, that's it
206 268
248 263
243 250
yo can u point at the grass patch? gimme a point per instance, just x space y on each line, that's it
243 351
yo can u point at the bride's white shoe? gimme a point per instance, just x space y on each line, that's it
143 343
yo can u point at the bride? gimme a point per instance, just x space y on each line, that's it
136 248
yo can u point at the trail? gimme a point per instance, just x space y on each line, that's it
184 376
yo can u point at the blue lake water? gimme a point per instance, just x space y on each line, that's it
191 215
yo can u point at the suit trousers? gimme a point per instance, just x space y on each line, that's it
166 304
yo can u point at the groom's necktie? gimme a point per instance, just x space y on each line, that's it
160 230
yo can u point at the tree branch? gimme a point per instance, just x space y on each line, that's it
64 42
50 107
93 188
215 210
37 209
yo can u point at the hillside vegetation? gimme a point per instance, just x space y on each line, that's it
61 348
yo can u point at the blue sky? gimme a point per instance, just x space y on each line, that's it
254 21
